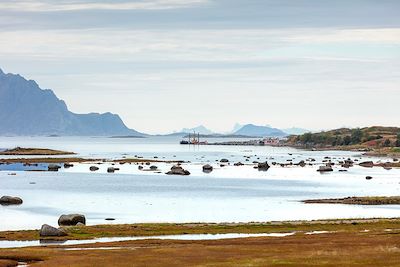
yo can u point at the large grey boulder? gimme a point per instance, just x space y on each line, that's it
71 219
8 200
178 170
48 230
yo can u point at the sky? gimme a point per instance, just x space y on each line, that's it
163 65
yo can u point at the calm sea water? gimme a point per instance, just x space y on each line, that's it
228 194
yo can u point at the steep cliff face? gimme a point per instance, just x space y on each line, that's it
26 109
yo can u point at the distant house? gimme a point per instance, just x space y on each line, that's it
271 141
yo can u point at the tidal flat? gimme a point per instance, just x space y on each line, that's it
331 243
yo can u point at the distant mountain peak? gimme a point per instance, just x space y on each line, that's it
26 109
201 129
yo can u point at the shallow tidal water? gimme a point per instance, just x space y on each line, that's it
228 194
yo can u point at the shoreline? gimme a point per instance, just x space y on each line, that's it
389 200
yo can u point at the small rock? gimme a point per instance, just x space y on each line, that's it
153 168
68 165
368 177
112 169
93 168
367 164
224 161
207 168
109 219
325 169
301 163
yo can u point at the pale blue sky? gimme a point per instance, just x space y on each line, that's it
168 64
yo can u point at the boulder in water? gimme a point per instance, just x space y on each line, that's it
93 168
325 169
263 166
207 168
71 219
367 164
178 170
8 200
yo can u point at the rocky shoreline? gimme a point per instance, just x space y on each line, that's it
393 200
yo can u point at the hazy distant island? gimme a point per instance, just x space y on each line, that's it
26 109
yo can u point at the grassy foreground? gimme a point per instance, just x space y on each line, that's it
372 242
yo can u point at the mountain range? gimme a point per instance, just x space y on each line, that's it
26 109
262 131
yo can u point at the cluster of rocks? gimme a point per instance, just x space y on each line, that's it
262 166
178 170
64 220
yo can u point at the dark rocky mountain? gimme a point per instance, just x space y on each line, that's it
26 109
262 131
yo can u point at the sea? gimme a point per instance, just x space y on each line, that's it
229 194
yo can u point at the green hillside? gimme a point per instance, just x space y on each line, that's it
368 137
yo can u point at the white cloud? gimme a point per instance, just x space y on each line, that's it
50 6
196 45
